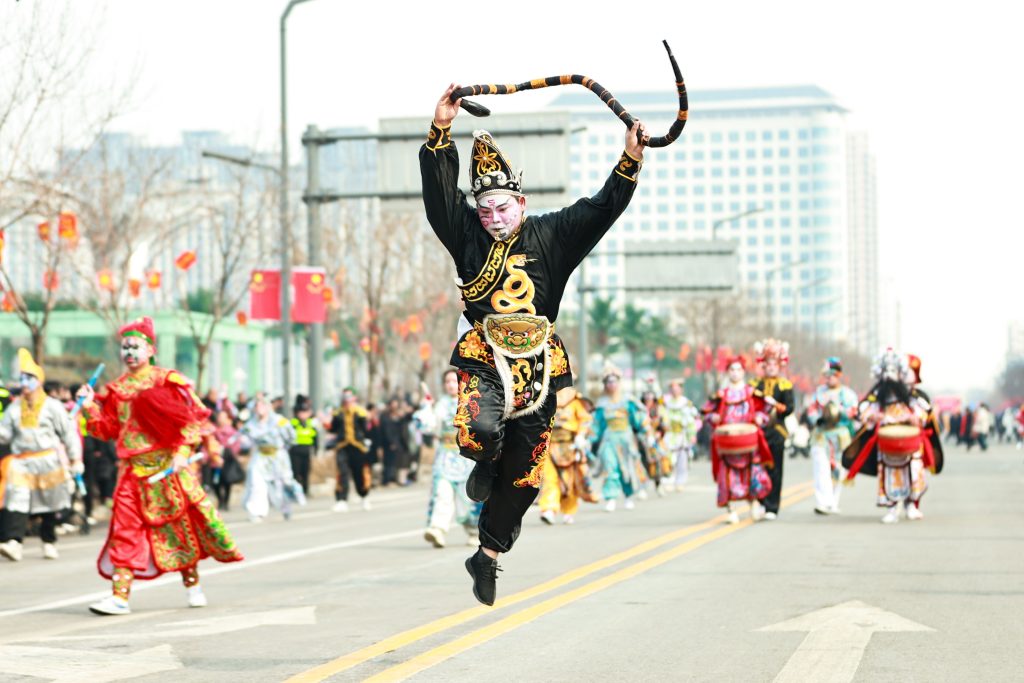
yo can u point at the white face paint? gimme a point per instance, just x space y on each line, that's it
135 352
771 367
736 373
28 382
501 215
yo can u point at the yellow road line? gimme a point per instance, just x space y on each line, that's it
401 672
404 638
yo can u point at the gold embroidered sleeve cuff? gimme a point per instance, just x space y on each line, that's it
438 138
628 167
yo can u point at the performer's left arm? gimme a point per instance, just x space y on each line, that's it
581 226
784 402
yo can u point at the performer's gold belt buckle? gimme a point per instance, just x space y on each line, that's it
618 424
267 450
517 335
147 464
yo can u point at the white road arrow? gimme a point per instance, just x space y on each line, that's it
74 666
836 639
293 616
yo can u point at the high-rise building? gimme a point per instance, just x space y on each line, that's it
784 157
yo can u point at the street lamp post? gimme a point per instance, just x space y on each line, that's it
286 242
714 302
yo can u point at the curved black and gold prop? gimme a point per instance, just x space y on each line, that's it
663 141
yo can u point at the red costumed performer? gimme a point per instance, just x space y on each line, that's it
161 526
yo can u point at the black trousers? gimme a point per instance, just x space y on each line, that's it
355 465
300 457
777 445
14 526
512 449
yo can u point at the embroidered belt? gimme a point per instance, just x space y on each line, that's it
146 464
33 454
516 335
675 428
618 424
268 450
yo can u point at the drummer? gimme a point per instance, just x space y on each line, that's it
739 452
899 440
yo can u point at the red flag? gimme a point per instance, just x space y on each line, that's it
106 280
242 318
185 260
134 288
67 227
265 295
44 231
153 279
50 280
308 285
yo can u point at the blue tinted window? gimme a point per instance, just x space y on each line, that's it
734 136
698 156
751 136
766 135
783 134
716 172
734 154
716 137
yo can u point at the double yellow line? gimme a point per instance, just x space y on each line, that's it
439 654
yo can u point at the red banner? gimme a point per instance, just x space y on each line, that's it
308 285
265 295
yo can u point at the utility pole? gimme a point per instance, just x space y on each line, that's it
584 350
316 334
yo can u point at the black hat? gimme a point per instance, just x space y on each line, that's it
490 173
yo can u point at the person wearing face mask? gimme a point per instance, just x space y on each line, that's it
162 526
512 271
33 479
739 452
776 392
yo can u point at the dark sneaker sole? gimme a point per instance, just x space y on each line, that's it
469 568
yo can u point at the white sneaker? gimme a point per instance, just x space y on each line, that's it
610 506
434 536
340 506
111 606
366 505
50 551
255 519
11 550
548 517
196 596
835 511
757 512
914 513
629 504
641 494
568 519
733 517
667 487
892 516
770 516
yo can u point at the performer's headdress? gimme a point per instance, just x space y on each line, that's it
833 366
610 372
491 173
736 359
914 363
28 366
772 348
142 328
890 365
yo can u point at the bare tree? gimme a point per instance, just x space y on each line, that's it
46 105
232 221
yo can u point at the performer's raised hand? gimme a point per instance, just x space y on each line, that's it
446 110
633 137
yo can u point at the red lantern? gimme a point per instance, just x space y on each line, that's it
684 352
659 354
50 280
134 288
242 318
67 227
425 351
44 231
105 279
185 260
153 279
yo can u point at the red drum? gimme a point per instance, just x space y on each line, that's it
736 439
899 440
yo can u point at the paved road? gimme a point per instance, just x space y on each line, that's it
665 592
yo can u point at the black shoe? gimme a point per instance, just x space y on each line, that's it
484 571
480 482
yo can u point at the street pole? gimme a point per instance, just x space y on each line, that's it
286 241
316 331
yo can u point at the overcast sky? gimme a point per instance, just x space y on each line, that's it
937 86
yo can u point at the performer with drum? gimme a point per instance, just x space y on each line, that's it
899 439
831 412
739 452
